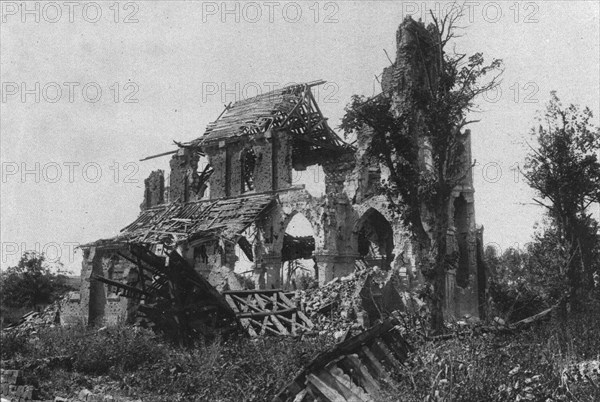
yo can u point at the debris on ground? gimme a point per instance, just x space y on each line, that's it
176 300
353 370
264 312
351 303
34 320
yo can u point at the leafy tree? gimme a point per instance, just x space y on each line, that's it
31 283
531 279
435 116
563 167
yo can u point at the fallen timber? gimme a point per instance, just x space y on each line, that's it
179 302
353 370
267 311
174 298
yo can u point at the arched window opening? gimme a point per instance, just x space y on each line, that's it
248 164
299 268
375 239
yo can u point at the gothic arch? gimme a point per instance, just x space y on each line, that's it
373 238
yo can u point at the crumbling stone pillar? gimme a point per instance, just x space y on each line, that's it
184 179
154 190
282 160
97 293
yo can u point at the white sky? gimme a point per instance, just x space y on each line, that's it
183 57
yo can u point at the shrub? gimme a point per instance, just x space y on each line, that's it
13 344
515 302
65 359
501 367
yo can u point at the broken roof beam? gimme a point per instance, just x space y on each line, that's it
139 293
159 155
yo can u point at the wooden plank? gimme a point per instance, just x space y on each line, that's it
325 389
244 303
346 392
345 380
251 291
286 300
257 313
279 325
307 322
314 393
159 155
265 325
231 303
359 372
248 327
300 396
272 314
380 348
298 325
371 361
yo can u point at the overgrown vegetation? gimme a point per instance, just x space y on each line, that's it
563 167
30 285
536 364
430 113
123 361
135 362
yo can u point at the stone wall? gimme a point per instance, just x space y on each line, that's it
154 190
184 182
70 311
99 302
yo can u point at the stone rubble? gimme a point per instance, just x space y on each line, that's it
354 302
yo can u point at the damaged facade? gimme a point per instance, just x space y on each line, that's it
232 189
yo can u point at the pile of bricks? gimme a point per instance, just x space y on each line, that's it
11 384
33 320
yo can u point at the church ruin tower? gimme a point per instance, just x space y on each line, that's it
408 81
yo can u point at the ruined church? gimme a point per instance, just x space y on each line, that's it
232 189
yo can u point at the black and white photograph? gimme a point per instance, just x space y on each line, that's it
298 201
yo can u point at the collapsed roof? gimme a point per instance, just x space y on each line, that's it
292 109
197 221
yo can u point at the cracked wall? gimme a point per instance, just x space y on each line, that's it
184 184
99 302
154 190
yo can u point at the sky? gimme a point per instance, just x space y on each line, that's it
89 88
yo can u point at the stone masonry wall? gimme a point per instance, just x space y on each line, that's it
154 190
99 302
184 179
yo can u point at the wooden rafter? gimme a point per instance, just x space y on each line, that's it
267 311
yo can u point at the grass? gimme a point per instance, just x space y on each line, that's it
527 365
131 362
122 361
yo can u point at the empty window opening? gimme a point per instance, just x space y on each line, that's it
298 265
248 164
374 239
245 251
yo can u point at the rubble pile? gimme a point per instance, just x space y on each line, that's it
353 370
12 387
33 320
354 301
